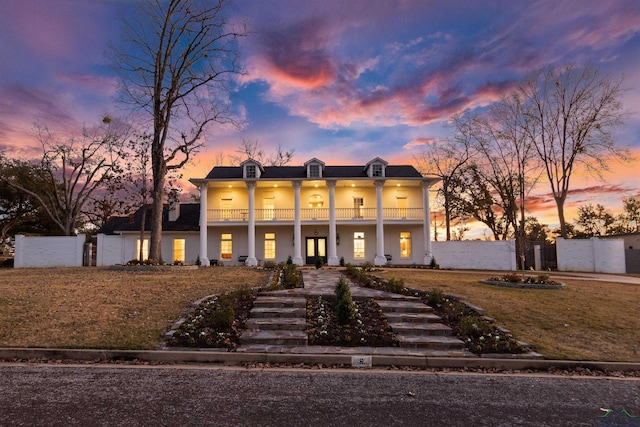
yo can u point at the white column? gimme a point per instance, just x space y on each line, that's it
333 252
380 258
203 256
428 255
297 228
251 231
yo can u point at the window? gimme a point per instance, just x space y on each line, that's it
405 244
268 208
358 244
145 249
178 250
226 246
358 207
225 206
269 245
251 171
376 169
402 207
314 171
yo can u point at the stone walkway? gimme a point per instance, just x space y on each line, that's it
277 323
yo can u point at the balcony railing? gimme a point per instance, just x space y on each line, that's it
309 214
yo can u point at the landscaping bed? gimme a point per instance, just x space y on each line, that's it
481 335
367 326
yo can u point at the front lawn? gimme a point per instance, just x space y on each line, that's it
589 320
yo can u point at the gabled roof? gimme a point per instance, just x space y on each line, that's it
188 220
314 160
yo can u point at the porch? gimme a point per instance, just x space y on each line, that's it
310 214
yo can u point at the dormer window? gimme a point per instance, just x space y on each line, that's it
251 169
314 170
375 168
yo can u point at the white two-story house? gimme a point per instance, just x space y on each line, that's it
374 212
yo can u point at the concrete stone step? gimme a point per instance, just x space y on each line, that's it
430 342
420 328
280 301
412 318
273 312
277 323
403 307
270 337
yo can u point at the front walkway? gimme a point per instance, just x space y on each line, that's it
278 322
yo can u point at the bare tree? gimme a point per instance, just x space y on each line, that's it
571 112
251 149
71 171
176 64
445 159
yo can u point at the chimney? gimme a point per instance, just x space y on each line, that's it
174 211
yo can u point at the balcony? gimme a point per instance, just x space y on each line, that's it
312 214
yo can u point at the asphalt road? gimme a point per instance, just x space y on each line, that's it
99 395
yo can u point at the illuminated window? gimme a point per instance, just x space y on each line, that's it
405 244
226 246
358 244
402 207
268 211
225 206
145 249
269 245
358 207
316 201
178 250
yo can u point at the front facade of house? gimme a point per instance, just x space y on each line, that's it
375 212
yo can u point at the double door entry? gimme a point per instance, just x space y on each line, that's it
316 247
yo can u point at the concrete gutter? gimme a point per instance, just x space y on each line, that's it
238 358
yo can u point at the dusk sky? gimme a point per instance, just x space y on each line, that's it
343 81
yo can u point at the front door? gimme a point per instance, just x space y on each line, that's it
316 247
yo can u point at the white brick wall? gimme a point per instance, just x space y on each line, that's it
109 250
476 254
593 255
48 251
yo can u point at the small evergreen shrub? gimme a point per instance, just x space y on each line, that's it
319 262
341 261
345 306
289 260
395 285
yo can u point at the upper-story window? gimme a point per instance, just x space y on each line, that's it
251 171
314 170
376 168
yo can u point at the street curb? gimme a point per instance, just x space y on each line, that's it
234 358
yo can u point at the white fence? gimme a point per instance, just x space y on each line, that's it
48 251
476 254
593 255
